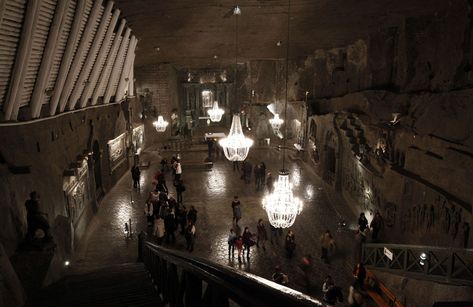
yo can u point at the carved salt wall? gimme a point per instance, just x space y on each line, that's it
391 127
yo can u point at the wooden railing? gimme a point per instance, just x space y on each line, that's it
440 264
183 280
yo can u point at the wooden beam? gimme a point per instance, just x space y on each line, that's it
2 9
125 73
108 65
94 75
131 80
48 56
96 44
112 67
67 57
12 102
81 50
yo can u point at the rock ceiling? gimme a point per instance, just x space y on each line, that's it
198 33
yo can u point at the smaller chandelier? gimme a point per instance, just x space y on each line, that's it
160 125
215 113
276 122
281 205
236 146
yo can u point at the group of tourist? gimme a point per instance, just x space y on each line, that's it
166 214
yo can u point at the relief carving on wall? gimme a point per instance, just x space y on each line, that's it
117 151
75 186
138 138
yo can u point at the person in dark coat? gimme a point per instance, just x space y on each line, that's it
236 209
180 188
377 225
169 226
192 215
362 222
290 243
35 217
247 168
135 175
247 241
270 182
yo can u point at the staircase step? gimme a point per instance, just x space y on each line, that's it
120 285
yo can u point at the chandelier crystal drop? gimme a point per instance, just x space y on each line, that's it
236 146
276 122
281 205
160 125
215 113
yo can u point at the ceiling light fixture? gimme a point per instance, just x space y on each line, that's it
236 146
281 206
215 113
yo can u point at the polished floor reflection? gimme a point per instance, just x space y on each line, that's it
211 193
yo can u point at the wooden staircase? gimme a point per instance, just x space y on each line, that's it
119 285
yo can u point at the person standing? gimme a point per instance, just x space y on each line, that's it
149 213
262 236
306 267
190 236
236 210
192 215
270 183
362 222
358 245
327 243
135 175
231 243
359 272
377 225
178 168
247 241
180 188
257 171
159 229
275 234
290 244
247 168
169 225
161 185
239 246
236 166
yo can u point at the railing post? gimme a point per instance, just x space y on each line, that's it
141 241
450 265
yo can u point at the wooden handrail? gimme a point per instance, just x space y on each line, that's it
384 299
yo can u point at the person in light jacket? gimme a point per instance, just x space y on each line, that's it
159 229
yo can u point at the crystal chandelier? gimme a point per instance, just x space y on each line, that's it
276 122
236 146
281 205
215 113
160 125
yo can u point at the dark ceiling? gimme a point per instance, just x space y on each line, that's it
189 33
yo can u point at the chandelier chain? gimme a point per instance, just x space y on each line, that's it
287 77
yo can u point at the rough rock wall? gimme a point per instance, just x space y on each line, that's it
36 157
414 167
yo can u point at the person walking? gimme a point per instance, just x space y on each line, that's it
355 298
247 168
231 243
236 166
161 184
262 236
258 176
248 241
190 236
239 246
327 244
236 210
290 244
275 234
377 225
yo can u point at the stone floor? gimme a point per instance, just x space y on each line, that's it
211 192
